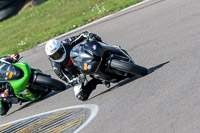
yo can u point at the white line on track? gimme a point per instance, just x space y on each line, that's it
96 21
93 112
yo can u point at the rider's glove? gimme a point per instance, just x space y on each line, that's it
4 94
93 36
14 57
78 80
74 81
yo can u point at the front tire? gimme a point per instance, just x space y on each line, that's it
45 80
128 67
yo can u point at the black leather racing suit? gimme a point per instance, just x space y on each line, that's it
65 70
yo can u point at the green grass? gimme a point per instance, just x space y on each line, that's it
54 17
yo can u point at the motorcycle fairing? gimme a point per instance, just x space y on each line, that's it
91 58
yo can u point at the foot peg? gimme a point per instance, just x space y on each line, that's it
106 83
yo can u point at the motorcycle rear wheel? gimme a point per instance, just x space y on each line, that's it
128 67
54 84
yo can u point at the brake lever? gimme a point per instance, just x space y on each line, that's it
20 58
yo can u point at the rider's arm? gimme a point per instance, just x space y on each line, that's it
11 58
81 37
64 75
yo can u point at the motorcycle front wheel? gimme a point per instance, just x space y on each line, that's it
46 80
128 67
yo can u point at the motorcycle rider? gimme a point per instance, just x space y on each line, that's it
5 90
59 56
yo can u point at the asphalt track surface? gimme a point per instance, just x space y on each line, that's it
162 35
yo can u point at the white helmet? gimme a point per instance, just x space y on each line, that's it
55 50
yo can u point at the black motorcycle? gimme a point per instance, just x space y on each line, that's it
105 62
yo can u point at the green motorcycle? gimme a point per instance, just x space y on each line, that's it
25 83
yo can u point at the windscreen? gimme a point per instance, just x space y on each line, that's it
8 71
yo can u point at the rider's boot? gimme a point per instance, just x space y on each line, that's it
4 107
86 90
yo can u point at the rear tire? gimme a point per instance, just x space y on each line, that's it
8 8
45 80
38 2
4 107
128 67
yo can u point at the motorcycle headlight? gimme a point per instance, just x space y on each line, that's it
80 54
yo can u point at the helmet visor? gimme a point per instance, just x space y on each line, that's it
58 54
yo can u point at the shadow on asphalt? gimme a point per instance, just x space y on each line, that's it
121 83
151 70
128 80
27 104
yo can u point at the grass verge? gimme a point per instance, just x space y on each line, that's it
54 17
